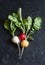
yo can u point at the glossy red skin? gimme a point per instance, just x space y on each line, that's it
22 36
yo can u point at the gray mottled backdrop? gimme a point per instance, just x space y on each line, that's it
35 53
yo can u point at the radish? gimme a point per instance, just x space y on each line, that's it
22 36
16 40
24 44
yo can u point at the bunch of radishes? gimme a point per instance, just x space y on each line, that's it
20 41
27 26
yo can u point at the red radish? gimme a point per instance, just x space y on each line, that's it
22 36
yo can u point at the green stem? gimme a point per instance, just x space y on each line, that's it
27 32
28 35
31 32
23 27
23 30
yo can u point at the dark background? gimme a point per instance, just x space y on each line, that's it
35 53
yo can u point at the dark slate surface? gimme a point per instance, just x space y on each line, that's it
35 53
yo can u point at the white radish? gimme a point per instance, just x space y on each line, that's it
16 40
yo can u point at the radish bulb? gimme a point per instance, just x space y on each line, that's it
22 36
16 40
24 44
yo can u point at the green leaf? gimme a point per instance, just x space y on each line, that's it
19 26
28 22
30 38
14 19
13 28
37 23
15 15
6 25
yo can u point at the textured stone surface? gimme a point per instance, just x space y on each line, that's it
35 53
